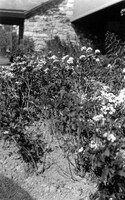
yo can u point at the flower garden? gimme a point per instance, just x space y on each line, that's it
84 97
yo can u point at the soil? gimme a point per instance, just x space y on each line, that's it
57 182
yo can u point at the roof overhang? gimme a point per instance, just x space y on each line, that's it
14 12
11 17
84 8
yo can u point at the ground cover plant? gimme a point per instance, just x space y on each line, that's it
84 97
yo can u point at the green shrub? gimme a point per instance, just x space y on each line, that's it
4 41
26 46
84 98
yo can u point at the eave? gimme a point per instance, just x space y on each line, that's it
11 17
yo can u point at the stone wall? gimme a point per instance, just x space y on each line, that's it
45 24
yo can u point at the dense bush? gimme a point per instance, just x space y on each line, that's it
26 46
60 47
84 97
4 40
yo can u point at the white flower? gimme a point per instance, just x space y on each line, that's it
9 74
112 98
104 110
98 117
82 57
97 60
121 97
18 83
80 150
111 137
124 78
83 97
6 132
123 71
70 60
93 145
83 48
108 109
89 50
53 57
65 57
97 51
106 134
109 66
112 110
97 130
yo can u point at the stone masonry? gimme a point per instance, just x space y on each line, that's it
46 24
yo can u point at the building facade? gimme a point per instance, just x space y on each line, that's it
73 20
52 19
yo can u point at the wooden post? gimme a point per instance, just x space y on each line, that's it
21 30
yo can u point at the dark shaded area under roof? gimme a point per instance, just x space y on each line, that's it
84 8
95 22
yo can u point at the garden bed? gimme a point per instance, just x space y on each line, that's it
65 114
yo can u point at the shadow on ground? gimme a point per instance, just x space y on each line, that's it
9 190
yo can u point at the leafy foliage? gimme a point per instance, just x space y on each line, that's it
84 97
26 46
4 40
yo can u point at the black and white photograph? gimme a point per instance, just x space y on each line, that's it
62 99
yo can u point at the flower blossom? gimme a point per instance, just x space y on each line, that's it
9 74
83 98
82 57
18 83
65 57
97 60
107 97
84 48
109 66
108 109
70 60
89 50
123 71
80 150
6 132
93 145
121 97
98 117
53 57
109 136
97 52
